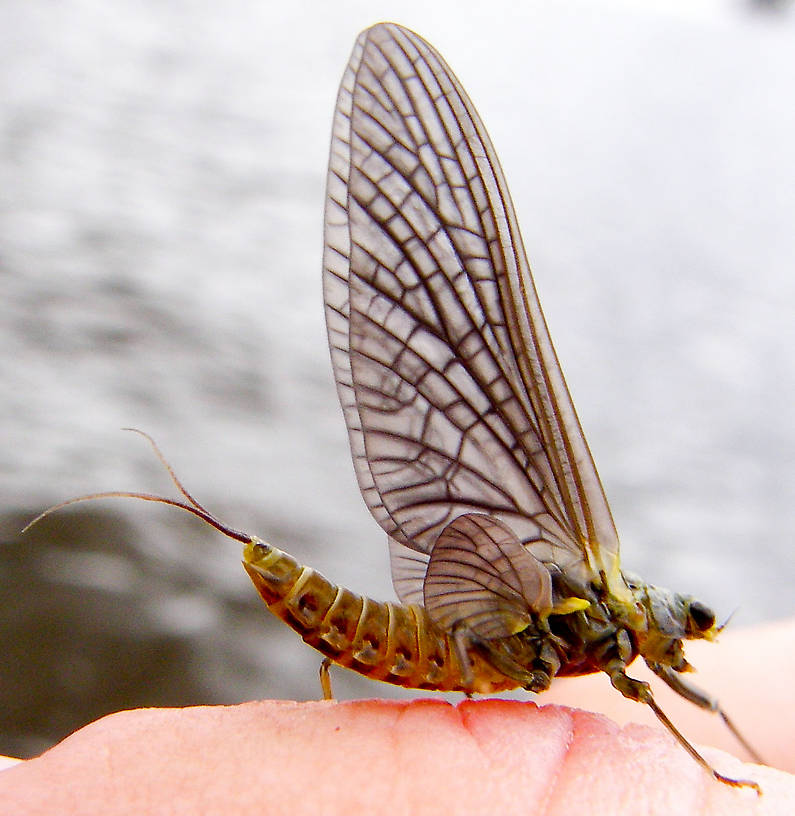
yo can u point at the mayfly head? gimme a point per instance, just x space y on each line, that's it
677 615
671 618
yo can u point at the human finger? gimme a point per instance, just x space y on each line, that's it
378 757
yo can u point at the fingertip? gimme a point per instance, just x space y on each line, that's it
419 757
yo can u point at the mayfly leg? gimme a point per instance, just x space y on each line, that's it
703 700
663 718
640 691
325 678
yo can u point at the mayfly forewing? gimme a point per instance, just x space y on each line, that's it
409 568
451 389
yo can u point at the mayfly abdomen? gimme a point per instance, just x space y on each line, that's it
384 641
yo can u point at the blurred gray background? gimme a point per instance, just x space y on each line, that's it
161 189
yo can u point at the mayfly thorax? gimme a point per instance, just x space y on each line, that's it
465 441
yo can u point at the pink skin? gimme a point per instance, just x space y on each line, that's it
374 757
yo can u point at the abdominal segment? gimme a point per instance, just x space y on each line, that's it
380 640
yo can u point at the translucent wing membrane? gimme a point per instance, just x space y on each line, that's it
481 576
452 393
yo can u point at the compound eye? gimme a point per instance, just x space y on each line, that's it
702 616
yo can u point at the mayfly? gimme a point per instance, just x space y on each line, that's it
465 441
